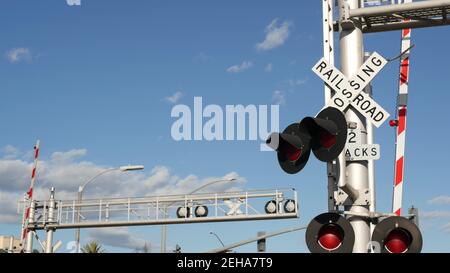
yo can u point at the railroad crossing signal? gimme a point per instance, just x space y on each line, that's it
325 135
397 234
348 91
330 232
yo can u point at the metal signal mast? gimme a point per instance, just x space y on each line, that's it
349 177
345 143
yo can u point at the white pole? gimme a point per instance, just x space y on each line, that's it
371 163
335 170
50 219
351 57
29 241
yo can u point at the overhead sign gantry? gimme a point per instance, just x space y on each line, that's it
51 215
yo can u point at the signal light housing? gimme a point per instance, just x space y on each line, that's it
328 133
398 235
325 135
292 147
184 212
271 207
201 211
289 206
330 233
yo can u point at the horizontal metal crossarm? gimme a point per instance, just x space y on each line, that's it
159 210
97 224
401 16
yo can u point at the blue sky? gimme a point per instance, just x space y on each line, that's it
95 80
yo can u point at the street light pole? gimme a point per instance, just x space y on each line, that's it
218 238
164 227
81 189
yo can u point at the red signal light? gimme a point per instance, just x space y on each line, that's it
292 153
393 123
330 237
398 235
327 140
398 241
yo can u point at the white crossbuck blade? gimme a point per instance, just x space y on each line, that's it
348 92
234 207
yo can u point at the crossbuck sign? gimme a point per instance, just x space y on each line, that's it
348 92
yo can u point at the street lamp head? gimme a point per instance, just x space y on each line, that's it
131 168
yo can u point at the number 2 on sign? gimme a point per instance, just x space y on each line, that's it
354 137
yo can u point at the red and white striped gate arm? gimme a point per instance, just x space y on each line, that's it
29 194
400 122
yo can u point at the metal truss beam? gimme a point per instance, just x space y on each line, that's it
391 17
163 210
165 221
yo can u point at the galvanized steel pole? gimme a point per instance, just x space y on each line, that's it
50 219
351 57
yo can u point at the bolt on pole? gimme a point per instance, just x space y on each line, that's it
352 56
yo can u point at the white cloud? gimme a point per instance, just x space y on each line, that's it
8 207
278 97
437 214
440 200
294 83
269 67
117 237
68 156
276 35
240 67
202 57
174 98
66 171
10 152
15 174
446 227
19 54
440 216
73 2
158 176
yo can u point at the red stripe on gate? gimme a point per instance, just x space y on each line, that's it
36 154
399 171
397 212
33 173
30 193
401 120
404 70
406 31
